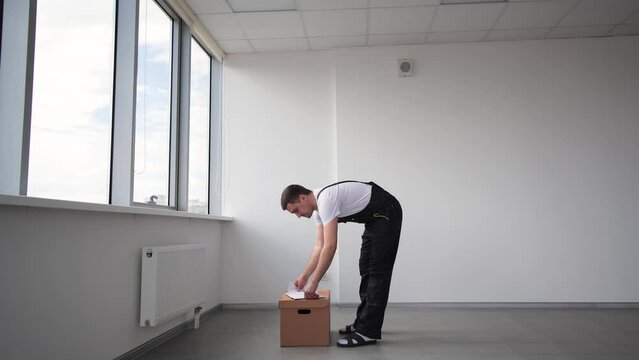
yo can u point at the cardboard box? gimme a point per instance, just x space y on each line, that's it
305 322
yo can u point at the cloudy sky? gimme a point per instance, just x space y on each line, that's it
72 99
153 109
71 113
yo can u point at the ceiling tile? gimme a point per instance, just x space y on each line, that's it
335 22
261 5
223 26
319 43
402 3
534 14
599 12
236 46
400 20
396 39
269 25
625 29
579 31
266 45
633 19
466 17
518 34
330 4
456 36
209 6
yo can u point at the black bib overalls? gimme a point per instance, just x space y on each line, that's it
382 219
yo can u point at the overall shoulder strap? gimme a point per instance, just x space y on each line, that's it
337 183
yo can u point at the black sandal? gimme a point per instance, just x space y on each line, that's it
348 329
355 340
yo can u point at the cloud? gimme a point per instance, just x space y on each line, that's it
71 120
72 99
199 124
155 31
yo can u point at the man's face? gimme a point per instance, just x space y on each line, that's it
302 207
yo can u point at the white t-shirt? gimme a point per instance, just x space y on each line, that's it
341 200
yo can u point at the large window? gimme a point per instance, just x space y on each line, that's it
70 142
199 129
109 101
153 109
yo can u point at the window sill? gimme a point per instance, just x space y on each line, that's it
28 201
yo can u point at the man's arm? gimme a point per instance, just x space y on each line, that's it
313 260
325 258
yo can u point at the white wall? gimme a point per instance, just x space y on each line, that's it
517 164
280 129
71 279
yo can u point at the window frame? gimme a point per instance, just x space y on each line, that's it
121 182
16 93
210 120
174 120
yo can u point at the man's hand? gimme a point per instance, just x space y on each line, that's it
310 291
300 282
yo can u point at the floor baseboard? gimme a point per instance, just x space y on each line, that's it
506 305
461 305
166 336
250 306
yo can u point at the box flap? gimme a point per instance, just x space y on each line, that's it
286 302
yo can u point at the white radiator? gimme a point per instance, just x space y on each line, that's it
172 282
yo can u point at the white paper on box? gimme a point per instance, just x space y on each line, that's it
293 292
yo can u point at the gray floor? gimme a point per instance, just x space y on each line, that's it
425 334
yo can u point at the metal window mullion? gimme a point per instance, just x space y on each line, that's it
176 105
124 101
209 204
184 117
215 138
16 88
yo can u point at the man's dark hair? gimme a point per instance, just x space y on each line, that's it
291 194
